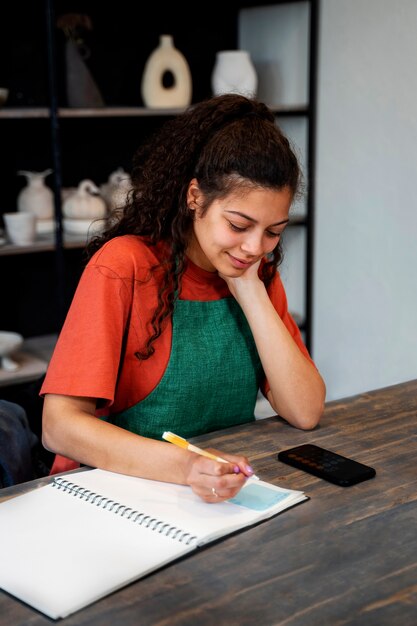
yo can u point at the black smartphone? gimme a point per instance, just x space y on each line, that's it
326 464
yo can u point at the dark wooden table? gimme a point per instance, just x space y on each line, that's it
347 556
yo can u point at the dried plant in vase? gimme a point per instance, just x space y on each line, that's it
82 90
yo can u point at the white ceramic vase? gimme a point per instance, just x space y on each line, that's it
36 197
166 59
234 72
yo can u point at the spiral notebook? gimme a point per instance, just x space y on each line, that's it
87 534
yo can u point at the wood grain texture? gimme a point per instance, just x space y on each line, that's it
347 556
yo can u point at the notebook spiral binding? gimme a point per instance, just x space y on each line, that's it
124 511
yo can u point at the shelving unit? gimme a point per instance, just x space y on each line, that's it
69 137
282 40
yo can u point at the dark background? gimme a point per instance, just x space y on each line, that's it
123 36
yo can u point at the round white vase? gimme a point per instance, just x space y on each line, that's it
166 59
234 72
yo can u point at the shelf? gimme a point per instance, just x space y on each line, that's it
297 220
46 243
33 360
20 112
44 112
43 243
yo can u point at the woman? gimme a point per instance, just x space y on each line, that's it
180 315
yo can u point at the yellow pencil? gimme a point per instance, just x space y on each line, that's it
183 443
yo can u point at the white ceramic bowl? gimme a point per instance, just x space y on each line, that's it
45 227
9 343
83 227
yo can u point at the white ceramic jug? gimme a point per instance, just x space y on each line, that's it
116 189
36 197
85 203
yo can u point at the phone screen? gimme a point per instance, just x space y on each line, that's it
326 464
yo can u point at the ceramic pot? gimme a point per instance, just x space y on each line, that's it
116 190
9 343
166 59
234 72
85 203
36 197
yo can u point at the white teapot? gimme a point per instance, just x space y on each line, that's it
36 197
85 203
116 189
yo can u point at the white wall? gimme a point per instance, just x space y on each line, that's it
365 312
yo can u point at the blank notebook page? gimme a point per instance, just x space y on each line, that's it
83 554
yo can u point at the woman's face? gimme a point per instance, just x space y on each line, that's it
237 231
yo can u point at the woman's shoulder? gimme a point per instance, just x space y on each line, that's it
128 257
128 250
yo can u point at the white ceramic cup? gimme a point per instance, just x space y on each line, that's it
20 228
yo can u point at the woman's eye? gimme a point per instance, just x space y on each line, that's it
272 235
237 229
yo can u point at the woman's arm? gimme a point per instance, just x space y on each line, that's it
297 391
71 428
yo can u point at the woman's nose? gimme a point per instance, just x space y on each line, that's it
252 244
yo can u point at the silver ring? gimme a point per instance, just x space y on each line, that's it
214 492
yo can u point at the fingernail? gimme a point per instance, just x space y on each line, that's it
236 469
249 469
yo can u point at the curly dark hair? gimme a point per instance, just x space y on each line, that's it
227 142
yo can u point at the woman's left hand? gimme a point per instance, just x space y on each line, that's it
247 283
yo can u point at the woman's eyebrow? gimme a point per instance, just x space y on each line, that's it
251 219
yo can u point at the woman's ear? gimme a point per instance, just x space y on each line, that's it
193 195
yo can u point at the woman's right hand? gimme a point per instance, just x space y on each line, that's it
214 481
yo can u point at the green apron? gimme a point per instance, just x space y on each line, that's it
212 377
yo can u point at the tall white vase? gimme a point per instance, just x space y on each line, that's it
234 72
166 58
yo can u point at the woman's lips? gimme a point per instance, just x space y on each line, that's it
239 263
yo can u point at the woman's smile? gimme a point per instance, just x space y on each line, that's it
240 263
